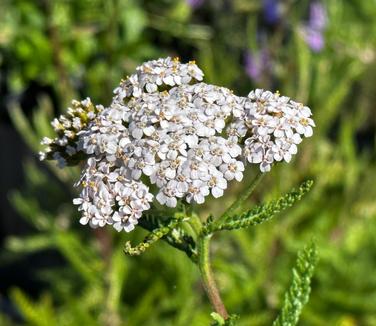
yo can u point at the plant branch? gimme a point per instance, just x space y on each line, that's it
260 213
208 277
151 238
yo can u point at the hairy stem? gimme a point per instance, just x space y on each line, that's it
207 276
203 243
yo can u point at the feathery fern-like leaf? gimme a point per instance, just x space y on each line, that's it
39 314
298 293
260 213
151 238
178 238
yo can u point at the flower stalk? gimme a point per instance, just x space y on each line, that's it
203 245
207 276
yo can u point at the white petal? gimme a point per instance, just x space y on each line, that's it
217 192
78 201
222 183
308 131
279 133
239 176
84 220
118 226
169 80
148 131
137 133
200 199
265 167
148 170
293 149
229 175
287 157
161 198
150 88
171 202
129 227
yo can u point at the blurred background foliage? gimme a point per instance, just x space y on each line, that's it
55 272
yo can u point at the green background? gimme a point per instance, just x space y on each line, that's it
54 51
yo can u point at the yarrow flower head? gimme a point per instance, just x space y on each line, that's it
169 131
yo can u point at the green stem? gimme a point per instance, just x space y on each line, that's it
208 277
237 203
203 243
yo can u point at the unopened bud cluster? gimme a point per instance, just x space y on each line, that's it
168 130
64 148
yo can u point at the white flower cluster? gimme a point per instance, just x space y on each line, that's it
187 139
108 197
63 148
152 75
276 125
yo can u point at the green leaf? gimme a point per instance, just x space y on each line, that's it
258 214
298 293
220 321
178 238
29 244
117 277
133 20
29 208
79 257
24 128
151 238
39 314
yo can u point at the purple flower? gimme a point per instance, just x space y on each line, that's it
317 16
252 66
271 10
313 30
257 63
195 3
314 39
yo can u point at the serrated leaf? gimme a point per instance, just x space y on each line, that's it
151 238
298 293
178 238
260 213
